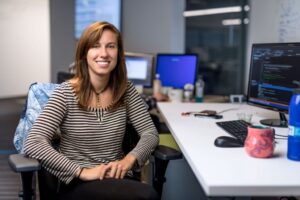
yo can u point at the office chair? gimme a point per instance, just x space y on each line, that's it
27 166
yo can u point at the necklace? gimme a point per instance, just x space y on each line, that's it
98 99
98 96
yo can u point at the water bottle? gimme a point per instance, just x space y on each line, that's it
156 84
294 126
199 89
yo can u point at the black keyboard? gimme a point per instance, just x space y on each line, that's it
236 128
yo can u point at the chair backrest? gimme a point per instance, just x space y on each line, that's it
37 98
63 76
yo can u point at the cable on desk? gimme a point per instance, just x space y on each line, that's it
229 109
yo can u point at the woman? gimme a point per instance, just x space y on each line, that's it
91 111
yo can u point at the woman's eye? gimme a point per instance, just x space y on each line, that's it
96 46
111 46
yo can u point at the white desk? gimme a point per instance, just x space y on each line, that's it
230 171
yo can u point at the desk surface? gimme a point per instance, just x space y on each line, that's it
230 171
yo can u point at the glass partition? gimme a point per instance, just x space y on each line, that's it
216 31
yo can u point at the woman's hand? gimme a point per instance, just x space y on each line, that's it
95 173
118 169
115 169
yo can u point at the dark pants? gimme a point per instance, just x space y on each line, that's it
107 189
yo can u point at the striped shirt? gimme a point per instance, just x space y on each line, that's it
90 137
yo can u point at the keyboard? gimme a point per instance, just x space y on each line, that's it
236 128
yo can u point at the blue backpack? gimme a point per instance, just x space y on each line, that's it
37 98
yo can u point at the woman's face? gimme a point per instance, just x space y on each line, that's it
102 57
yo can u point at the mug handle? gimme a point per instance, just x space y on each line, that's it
274 142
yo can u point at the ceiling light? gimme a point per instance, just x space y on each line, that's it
213 11
231 22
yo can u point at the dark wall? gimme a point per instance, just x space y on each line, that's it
62 39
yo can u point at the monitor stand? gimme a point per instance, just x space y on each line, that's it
282 122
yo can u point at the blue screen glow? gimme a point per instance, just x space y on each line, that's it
176 70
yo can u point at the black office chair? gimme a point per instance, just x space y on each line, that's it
63 76
48 183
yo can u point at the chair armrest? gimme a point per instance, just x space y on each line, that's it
21 163
167 153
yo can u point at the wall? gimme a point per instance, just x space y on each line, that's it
25 45
272 21
154 26
63 41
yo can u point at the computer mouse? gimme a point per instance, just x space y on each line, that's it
227 141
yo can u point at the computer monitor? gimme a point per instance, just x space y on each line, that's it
176 70
139 68
273 69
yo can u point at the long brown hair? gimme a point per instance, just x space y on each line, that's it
118 76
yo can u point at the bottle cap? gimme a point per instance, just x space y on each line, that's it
297 90
188 86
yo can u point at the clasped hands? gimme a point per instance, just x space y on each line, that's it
115 169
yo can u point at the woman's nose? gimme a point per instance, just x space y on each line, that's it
103 52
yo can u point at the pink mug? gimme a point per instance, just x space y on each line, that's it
260 141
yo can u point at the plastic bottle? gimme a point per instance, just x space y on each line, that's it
188 92
294 126
156 84
199 89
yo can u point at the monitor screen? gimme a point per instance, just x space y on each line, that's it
90 11
273 69
139 68
176 70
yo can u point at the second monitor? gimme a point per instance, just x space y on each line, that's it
176 70
139 68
